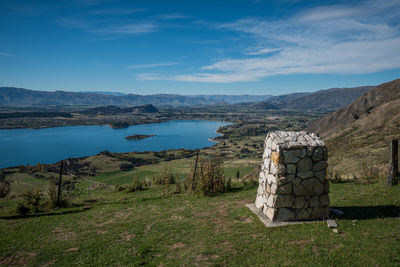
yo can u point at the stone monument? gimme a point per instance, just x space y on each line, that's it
293 184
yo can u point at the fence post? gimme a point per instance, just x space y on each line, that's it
393 177
59 184
195 169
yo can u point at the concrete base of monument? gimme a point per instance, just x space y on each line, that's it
268 223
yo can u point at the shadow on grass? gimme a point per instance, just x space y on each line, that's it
368 212
14 217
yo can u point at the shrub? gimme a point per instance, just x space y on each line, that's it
31 200
126 166
22 208
137 185
370 173
209 178
4 188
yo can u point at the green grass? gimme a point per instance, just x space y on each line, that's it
122 177
129 229
231 172
23 181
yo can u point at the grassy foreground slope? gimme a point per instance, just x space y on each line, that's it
129 229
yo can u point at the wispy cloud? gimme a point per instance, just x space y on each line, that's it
262 51
146 66
150 76
108 27
328 39
137 28
115 11
174 16
5 54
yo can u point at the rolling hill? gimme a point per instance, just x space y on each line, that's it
360 133
323 100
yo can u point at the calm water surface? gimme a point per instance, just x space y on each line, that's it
31 146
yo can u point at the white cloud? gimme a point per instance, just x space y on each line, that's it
145 66
327 40
150 76
127 29
174 16
262 51
100 27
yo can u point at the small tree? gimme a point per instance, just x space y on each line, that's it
237 175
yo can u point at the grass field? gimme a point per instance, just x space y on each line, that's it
129 229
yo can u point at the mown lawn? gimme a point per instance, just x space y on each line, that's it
129 229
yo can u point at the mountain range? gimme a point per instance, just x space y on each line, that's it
11 96
323 100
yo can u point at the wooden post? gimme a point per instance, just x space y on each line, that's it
59 184
195 169
393 178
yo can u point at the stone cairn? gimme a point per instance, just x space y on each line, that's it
293 184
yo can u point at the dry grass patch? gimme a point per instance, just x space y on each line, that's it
177 246
300 242
125 236
21 258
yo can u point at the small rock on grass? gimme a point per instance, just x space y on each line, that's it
331 224
335 230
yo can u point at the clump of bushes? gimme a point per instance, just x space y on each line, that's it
209 178
137 185
31 201
126 166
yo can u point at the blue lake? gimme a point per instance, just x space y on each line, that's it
49 145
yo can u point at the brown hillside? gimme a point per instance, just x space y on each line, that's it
359 133
343 120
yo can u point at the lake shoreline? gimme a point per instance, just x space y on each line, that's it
200 145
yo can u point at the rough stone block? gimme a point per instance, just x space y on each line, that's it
285 189
302 214
320 165
319 213
292 156
259 202
291 168
305 165
314 202
284 201
319 154
305 175
300 190
324 200
321 175
285 214
314 186
301 202
293 184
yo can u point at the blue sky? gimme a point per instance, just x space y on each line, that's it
198 47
